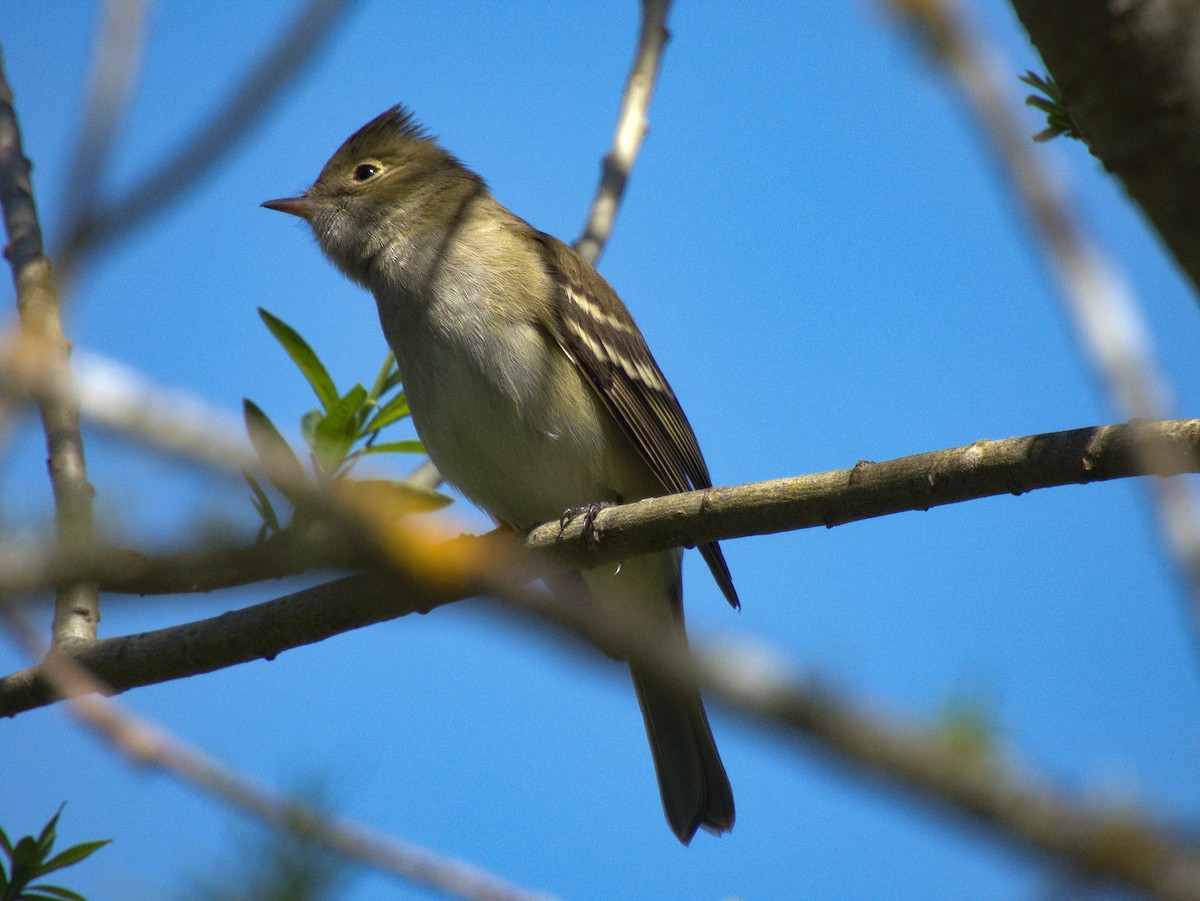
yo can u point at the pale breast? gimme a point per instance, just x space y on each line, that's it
510 421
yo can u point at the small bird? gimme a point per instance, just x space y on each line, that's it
531 389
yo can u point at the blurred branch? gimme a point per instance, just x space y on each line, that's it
631 129
99 225
119 44
868 490
1128 76
26 570
1100 842
921 482
1115 843
77 608
1101 303
149 746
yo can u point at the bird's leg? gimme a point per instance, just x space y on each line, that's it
589 512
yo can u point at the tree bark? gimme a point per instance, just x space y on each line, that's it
1129 71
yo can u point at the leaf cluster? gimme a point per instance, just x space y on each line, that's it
1049 100
30 858
342 430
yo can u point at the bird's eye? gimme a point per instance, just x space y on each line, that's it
366 171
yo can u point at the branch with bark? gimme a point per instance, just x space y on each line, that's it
1119 844
77 609
1127 74
867 490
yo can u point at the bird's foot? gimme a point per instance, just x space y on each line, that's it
589 512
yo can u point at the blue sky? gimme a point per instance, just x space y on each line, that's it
823 258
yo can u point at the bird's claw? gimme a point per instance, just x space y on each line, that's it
589 512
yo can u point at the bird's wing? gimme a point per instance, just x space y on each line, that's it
598 333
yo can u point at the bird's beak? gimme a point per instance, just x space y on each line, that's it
303 206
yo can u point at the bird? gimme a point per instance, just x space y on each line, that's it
532 390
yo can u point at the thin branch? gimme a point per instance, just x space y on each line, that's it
120 41
77 608
1119 844
425 475
631 129
117 398
201 151
1099 300
868 490
149 746
1113 843
26 570
921 482
238 636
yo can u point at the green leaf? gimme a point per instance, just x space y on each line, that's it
279 460
49 832
308 427
1050 103
396 447
79 852
26 858
5 844
266 510
394 380
337 430
304 357
53 893
348 406
394 410
387 379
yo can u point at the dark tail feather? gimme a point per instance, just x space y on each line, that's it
691 778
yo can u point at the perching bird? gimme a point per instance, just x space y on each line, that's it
530 386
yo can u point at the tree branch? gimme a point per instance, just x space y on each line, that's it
208 145
77 609
149 746
1107 316
868 490
1112 843
631 129
120 40
1128 76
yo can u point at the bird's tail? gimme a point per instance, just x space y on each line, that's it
691 778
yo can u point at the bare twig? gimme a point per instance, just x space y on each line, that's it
77 609
149 746
201 151
631 129
27 569
118 52
1099 300
425 476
